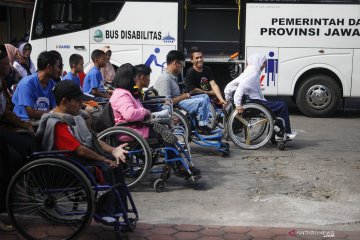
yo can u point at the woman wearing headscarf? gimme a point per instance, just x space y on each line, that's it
12 53
12 77
14 145
248 83
23 63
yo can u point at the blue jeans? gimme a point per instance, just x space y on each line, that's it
200 105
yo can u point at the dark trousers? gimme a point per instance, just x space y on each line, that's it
112 176
14 147
280 109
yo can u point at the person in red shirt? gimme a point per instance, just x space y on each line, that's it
68 131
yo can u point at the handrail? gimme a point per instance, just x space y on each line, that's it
185 13
239 7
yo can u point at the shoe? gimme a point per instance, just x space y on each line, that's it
289 137
182 172
165 133
195 171
204 130
108 219
6 228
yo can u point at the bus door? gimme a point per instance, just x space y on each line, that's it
216 28
355 86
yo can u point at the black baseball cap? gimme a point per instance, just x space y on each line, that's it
69 89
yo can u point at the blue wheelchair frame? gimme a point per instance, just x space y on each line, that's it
213 140
123 222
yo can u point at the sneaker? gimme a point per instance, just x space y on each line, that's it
182 172
6 228
204 130
195 171
291 136
165 133
108 219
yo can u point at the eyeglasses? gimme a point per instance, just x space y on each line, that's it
180 63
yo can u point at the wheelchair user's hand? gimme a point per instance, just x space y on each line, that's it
239 109
148 113
112 164
223 103
120 152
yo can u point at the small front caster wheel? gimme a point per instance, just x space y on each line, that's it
159 185
281 146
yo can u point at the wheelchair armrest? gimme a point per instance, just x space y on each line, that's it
160 100
155 97
102 103
48 153
135 123
196 93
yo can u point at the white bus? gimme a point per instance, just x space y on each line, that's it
313 46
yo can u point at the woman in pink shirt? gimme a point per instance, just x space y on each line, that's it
126 105
125 100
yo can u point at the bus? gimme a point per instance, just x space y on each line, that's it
312 46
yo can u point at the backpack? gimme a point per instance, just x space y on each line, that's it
103 119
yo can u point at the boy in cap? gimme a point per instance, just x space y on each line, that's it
64 129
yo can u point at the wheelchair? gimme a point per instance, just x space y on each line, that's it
144 154
54 192
189 123
255 127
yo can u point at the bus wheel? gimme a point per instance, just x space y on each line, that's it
318 96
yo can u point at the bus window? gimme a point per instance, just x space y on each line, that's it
103 12
66 16
38 25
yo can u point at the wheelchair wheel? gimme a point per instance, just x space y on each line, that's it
253 128
50 194
184 122
138 161
213 118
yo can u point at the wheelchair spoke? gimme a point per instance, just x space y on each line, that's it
262 121
242 120
248 135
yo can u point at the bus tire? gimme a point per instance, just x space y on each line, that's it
318 96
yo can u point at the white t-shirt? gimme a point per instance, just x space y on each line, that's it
22 70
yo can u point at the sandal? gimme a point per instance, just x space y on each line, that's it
6 228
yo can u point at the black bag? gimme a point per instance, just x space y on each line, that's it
103 119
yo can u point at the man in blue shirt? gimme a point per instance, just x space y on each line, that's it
33 95
76 62
93 82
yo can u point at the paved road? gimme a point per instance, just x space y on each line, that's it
314 183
